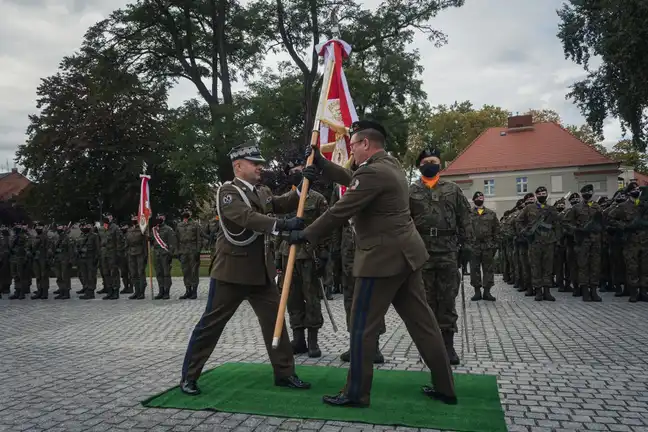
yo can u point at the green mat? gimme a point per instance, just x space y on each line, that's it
396 398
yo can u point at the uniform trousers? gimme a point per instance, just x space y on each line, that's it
222 302
541 257
483 260
371 300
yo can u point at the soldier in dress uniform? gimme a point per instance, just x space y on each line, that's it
389 259
486 235
137 253
164 245
189 237
243 268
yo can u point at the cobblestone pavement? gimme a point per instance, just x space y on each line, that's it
86 365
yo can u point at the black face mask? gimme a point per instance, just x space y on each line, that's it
573 202
542 199
85 230
5 232
17 229
479 203
39 230
587 196
185 215
295 178
430 170
159 221
560 208
635 193
620 199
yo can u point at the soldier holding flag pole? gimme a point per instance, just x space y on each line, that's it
144 214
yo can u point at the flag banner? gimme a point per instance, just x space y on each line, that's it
338 112
144 213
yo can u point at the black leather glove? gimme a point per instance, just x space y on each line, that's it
318 159
464 255
296 237
278 264
311 172
290 224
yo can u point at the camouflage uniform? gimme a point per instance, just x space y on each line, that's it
137 253
586 222
561 265
506 246
522 243
163 257
41 254
209 234
63 255
616 240
304 300
441 215
112 243
88 249
568 235
486 231
124 269
189 238
538 222
5 267
18 251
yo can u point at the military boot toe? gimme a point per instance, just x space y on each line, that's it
313 347
299 342
487 295
160 296
133 297
477 296
546 294
87 296
346 356
189 387
35 296
81 291
57 292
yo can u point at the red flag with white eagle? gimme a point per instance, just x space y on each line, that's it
144 213
337 111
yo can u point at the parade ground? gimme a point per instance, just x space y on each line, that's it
77 365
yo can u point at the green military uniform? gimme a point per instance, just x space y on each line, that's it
40 249
334 271
486 236
509 235
561 266
537 222
522 243
124 269
164 246
209 234
568 234
632 217
441 214
112 243
585 221
88 250
18 252
189 244
616 240
63 256
604 279
137 253
389 259
505 253
243 269
5 266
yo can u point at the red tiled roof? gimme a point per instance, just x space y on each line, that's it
642 179
11 184
546 145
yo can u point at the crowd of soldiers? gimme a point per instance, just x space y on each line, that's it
36 252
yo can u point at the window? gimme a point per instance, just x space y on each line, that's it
521 185
620 183
556 184
489 187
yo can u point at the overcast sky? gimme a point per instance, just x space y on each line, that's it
500 52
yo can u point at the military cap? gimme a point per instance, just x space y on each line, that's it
477 195
292 164
134 217
540 189
574 195
587 188
361 125
602 199
632 185
528 195
426 153
249 152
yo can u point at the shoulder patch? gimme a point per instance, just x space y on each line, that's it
268 200
227 199
354 184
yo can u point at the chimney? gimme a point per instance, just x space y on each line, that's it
519 123
14 170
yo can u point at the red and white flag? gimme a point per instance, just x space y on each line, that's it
144 213
336 110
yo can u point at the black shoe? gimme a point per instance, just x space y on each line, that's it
477 296
57 292
112 296
346 357
35 296
546 294
342 400
62 296
133 297
292 382
431 393
89 295
487 295
189 387
81 291
186 294
448 340
102 291
160 295
193 295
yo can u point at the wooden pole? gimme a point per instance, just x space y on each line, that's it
281 313
150 263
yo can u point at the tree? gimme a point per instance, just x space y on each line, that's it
544 116
625 153
85 149
211 43
614 33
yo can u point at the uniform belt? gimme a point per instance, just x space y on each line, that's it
435 232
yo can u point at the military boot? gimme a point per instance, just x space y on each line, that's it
140 293
538 294
313 347
186 294
546 294
88 295
448 340
487 295
346 356
477 296
587 295
521 288
135 295
299 341
36 295
643 294
594 295
193 294
103 290
160 295
57 292
17 295
63 295
112 294
379 358
165 293
529 292
621 291
634 294
578 291
81 291
128 289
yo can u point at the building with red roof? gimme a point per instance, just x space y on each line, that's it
11 184
507 162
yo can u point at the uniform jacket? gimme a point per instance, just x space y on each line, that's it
189 237
531 214
624 215
314 207
376 200
112 241
252 264
579 216
135 241
486 229
167 235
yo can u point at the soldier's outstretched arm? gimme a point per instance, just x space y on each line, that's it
233 208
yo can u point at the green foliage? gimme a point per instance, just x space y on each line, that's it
614 33
625 153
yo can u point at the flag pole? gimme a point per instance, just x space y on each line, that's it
150 260
281 313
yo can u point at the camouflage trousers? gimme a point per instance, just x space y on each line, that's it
334 270
524 266
125 272
510 251
63 272
190 269
21 275
41 273
605 261
137 272
617 263
560 265
110 272
304 299
588 256
505 258
636 262
441 279
482 260
541 257
88 273
163 270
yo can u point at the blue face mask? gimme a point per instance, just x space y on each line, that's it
430 170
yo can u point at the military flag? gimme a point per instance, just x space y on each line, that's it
144 212
338 112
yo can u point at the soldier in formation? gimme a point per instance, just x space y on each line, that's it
164 247
137 254
486 236
189 237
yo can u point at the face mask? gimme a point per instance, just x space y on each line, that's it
85 230
529 202
635 193
560 208
429 170
159 221
185 215
479 203
620 199
542 199
587 196
39 230
5 232
295 178
17 229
